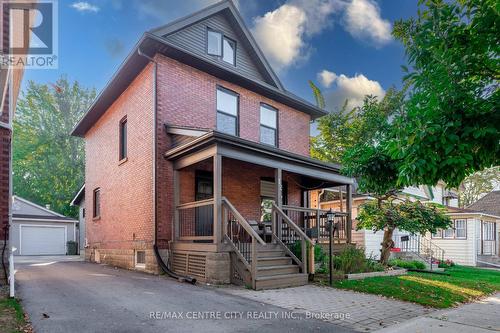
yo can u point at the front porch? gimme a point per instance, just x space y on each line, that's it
242 212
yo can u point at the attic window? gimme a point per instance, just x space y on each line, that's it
221 46
214 43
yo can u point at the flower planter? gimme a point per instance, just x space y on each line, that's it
360 276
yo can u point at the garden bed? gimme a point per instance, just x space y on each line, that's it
360 276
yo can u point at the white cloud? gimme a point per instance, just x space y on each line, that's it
353 89
326 78
84 6
363 21
282 34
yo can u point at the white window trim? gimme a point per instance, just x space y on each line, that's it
465 228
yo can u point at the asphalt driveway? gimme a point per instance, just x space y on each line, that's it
83 297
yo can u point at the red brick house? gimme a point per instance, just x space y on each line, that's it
10 83
196 149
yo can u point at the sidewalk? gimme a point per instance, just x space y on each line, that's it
480 317
357 311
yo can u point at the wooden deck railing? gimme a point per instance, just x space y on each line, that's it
314 223
290 235
195 221
241 237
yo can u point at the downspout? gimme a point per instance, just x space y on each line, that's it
159 260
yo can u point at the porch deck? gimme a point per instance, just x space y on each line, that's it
224 188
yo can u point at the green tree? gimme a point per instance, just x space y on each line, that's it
359 140
48 163
478 184
451 127
414 217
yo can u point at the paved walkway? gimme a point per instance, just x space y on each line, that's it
480 317
361 312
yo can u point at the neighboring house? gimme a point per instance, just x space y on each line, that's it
37 230
10 83
194 148
79 200
472 238
367 238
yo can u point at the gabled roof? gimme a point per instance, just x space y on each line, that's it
489 204
78 196
25 209
227 7
151 44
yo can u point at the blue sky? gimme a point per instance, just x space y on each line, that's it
348 41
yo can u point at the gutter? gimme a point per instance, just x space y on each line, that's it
159 260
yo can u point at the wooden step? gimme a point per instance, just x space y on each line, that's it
274 261
277 270
271 253
280 281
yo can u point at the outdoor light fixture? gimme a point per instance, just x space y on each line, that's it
330 216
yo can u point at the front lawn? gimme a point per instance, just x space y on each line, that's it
440 291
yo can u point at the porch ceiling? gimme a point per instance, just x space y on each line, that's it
217 143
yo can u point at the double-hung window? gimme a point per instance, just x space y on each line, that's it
268 125
123 139
227 111
461 229
221 46
97 203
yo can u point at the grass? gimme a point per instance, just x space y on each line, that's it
464 284
11 315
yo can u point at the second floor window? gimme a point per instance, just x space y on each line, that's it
227 111
268 125
97 203
123 138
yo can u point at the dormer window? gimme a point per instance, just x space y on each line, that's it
221 46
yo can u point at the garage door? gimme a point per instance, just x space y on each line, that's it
40 240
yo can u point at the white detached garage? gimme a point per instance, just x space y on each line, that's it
37 230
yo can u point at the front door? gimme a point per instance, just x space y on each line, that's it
204 217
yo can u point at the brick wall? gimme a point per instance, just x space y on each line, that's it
187 97
126 221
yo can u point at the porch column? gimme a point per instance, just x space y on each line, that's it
175 231
349 212
278 188
217 160
278 194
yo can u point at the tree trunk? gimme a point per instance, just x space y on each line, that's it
387 244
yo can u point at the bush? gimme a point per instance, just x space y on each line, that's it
408 264
319 255
353 260
446 264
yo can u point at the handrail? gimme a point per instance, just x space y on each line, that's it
292 224
195 204
304 239
312 210
248 228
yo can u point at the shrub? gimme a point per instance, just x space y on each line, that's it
446 264
319 255
408 264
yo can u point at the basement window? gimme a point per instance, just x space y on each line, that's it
140 259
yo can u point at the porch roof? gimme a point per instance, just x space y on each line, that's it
240 149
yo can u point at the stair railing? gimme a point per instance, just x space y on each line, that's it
240 235
422 247
288 234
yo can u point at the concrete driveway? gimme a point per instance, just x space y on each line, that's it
83 297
